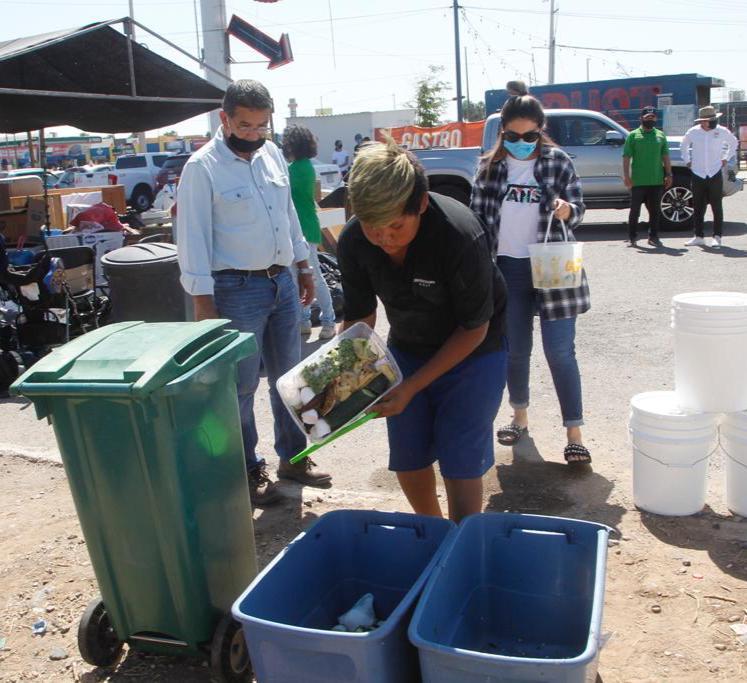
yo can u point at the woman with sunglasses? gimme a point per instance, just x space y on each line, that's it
521 185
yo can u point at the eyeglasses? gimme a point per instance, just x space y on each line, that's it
513 136
261 130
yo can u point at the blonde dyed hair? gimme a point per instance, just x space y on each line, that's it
381 182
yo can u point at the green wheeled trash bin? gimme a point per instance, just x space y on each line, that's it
146 418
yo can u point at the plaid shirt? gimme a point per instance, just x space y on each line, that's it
556 176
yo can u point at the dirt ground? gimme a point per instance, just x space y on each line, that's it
675 586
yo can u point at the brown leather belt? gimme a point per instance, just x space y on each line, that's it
273 271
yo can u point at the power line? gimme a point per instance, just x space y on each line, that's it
611 17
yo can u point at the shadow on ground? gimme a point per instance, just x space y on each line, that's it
530 484
274 528
618 232
724 538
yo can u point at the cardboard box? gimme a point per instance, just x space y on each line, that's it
18 187
12 225
332 221
36 216
113 195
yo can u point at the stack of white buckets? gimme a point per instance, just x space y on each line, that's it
674 433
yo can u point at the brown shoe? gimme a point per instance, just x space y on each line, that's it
304 472
262 490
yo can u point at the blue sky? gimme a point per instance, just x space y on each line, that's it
381 47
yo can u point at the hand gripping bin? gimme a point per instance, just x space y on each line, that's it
147 422
289 610
514 599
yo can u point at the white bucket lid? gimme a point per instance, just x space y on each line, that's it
736 421
711 301
663 408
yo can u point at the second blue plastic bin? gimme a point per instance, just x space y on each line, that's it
289 609
516 599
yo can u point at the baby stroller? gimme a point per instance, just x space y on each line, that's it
53 300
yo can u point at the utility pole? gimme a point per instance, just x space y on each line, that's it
588 59
130 28
215 49
457 52
551 75
466 79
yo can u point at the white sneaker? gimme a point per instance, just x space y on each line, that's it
695 242
715 242
327 332
305 329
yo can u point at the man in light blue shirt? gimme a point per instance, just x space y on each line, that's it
238 238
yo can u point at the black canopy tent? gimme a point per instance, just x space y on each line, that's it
97 79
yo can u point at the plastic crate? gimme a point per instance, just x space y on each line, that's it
514 598
289 610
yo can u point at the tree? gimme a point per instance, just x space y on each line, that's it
173 133
474 111
429 98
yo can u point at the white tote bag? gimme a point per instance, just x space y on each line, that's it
556 265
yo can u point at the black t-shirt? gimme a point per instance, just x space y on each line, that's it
448 280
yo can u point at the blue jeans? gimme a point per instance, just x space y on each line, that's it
267 307
323 297
557 340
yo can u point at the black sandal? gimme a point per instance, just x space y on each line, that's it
576 454
510 434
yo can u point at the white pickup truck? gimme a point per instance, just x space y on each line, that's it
137 172
594 142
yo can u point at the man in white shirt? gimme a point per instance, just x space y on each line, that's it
341 158
238 236
706 148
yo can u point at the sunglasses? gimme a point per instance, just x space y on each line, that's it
513 136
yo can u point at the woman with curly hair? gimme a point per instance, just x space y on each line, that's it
299 147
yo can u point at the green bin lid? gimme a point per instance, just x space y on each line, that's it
132 358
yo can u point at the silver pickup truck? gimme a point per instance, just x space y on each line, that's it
594 142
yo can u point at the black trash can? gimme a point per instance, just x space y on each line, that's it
144 283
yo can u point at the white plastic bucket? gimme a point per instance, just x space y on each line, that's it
734 446
556 265
660 413
710 351
671 449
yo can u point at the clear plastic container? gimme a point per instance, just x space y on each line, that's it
291 384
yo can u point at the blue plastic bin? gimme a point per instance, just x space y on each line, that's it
288 610
514 598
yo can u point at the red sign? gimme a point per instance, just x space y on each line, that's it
448 135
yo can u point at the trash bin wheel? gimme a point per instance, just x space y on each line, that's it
229 656
97 641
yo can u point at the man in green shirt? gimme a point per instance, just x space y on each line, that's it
648 149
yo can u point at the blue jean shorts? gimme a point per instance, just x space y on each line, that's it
450 421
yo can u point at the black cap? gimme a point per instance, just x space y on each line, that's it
648 111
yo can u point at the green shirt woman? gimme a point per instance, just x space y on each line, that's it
299 147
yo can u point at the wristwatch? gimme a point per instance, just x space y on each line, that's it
305 271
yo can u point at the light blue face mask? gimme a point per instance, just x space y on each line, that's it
520 149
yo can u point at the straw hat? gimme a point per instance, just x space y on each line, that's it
707 113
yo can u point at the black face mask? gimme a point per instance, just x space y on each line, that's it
648 124
244 146
712 123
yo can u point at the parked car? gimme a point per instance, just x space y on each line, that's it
86 176
48 177
137 172
594 142
328 174
171 171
